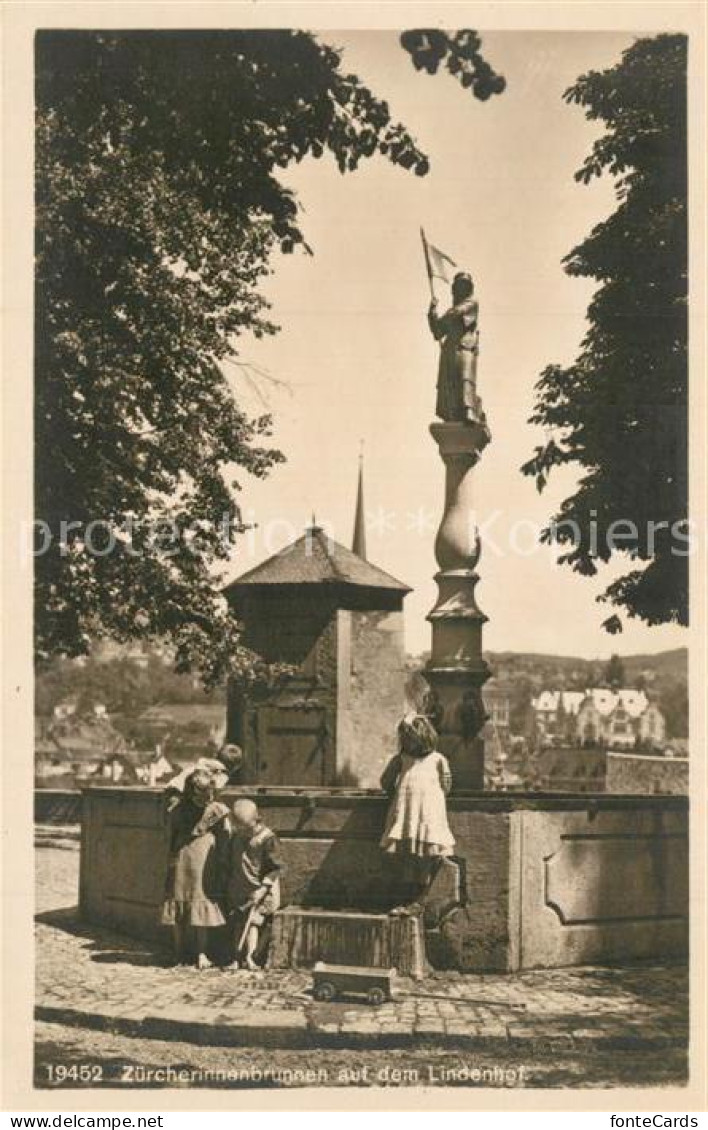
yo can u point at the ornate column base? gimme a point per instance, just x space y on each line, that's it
456 671
456 674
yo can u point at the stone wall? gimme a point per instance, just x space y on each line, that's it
545 881
570 769
57 806
605 883
639 773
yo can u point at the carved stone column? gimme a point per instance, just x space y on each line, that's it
456 671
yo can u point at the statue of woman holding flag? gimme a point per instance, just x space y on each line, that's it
458 334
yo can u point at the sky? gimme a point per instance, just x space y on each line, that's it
358 364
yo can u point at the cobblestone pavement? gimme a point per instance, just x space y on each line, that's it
98 981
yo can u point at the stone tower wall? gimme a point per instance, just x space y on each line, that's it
334 722
371 676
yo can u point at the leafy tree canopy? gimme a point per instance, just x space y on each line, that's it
461 53
158 206
620 411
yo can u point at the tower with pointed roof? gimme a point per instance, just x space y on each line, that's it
359 537
338 621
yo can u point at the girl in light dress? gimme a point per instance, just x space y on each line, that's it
418 780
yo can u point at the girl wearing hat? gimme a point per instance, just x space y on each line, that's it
199 844
418 780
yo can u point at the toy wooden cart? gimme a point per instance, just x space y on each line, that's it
330 981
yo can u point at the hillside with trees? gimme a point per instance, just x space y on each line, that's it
663 676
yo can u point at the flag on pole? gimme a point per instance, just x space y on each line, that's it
440 265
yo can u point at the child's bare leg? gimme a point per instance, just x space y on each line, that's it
178 942
408 875
203 961
235 926
250 948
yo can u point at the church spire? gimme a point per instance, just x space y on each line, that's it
359 539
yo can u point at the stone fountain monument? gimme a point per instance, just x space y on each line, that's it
597 879
456 671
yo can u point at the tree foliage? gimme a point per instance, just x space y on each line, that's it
158 209
158 206
461 54
673 702
620 411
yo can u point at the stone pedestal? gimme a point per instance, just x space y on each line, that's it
456 671
302 937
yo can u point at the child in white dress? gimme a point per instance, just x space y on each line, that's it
418 778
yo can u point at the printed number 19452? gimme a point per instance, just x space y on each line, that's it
74 1072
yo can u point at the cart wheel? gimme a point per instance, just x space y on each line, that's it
376 996
325 991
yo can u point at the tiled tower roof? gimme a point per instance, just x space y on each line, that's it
315 559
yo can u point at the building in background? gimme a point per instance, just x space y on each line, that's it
497 697
337 620
70 749
598 717
553 718
135 767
